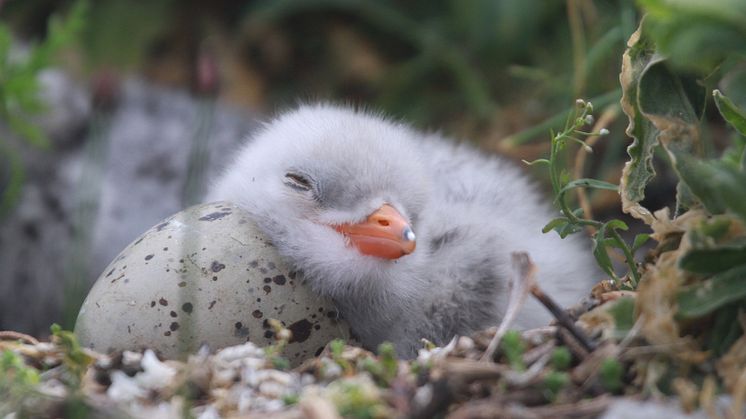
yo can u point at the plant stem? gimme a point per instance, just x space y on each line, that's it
628 256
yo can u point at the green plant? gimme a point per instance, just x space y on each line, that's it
611 373
19 92
561 358
513 347
75 359
17 381
607 234
554 382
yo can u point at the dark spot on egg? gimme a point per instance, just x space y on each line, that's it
217 266
161 226
331 314
167 333
139 240
187 307
174 326
182 284
165 249
254 264
279 280
163 301
267 280
292 274
240 330
111 272
214 216
267 289
269 334
148 257
257 314
212 304
301 330
152 303
214 278
173 313
263 270
316 327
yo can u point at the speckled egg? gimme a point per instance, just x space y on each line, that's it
205 276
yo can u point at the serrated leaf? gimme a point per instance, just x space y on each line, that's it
662 108
638 171
709 295
735 117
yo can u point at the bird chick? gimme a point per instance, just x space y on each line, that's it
409 233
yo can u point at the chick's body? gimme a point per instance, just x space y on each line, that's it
319 167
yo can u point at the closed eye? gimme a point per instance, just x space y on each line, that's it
297 182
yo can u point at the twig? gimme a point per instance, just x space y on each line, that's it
500 408
522 280
563 318
11 335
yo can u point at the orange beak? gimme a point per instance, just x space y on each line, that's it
385 234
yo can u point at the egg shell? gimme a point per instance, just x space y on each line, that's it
204 276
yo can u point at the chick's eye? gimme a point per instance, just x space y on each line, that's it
297 182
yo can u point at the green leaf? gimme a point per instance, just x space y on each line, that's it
726 329
537 161
662 108
554 224
617 225
640 240
719 259
587 183
697 35
705 297
568 229
730 112
638 171
600 252
718 186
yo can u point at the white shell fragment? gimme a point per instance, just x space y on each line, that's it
205 276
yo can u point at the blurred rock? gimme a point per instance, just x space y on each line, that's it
150 133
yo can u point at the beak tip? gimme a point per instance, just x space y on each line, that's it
409 235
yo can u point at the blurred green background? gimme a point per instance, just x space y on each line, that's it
478 68
487 71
